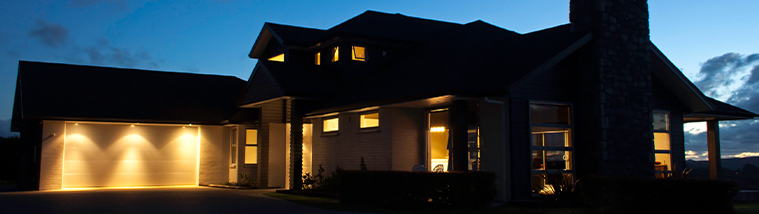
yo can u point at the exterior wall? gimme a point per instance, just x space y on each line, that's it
271 112
350 144
51 157
214 155
663 99
408 137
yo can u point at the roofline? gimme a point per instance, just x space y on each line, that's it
132 69
553 61
125 120
680 75
263 39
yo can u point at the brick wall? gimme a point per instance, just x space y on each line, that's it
51 157
214 155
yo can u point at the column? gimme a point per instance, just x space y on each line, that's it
460 150
712 141
296 144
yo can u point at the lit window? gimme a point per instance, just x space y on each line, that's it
318 58
370 120
331 125
359 53
335 53
551 145
662 145
278 58
251 146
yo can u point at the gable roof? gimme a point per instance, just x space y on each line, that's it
75 92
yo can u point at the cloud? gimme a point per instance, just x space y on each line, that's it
87 3
103 53
50 34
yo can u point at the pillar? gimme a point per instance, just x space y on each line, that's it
296 144
460 150
712 141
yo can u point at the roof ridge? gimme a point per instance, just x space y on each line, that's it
126 69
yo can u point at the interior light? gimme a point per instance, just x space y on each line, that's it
132 125
437 129
76 124
190 124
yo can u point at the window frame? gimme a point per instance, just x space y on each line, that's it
570 138
233 146
668 131
353 53
335 53
333 132
367 113
250 145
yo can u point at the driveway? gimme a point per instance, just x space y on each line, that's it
150 200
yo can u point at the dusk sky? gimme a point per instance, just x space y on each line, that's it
714 43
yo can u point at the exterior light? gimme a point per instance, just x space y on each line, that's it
437 129
76 124
132 125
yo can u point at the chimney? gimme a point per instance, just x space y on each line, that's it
618 88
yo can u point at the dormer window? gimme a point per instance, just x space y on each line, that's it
359 53
318 58
278 58
335 53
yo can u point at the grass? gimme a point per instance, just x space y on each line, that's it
747 207
334 204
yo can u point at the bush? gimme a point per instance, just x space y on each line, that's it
420 190
631 195
321 182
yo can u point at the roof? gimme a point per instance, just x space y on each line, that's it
76 92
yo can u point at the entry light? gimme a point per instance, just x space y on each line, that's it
132 125
76 124
437 129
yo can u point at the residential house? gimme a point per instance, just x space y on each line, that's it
592 97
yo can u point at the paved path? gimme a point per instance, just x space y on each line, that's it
150 200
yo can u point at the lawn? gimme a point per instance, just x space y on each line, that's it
746 208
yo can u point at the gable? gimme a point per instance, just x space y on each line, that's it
685 90
261 87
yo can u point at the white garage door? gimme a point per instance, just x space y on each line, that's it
108 155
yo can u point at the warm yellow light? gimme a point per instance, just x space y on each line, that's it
335 54
437 129
331 125
369 120
359 53
278 58
132 125
127 187
318 58
76 124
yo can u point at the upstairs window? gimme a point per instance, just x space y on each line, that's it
331 124
318 58
278 58
335 54
359 53
369 120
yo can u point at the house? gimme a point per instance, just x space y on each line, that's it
592 97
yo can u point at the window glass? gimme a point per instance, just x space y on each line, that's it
278 58
369 120
251 146
251 154
318 58
331 125
549 114
335 53
661 141
551 137
663 162
661 121
359 53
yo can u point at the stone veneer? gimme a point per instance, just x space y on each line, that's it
620 86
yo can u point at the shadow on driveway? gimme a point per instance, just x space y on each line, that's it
150 200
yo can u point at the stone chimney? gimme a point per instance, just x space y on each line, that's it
618 131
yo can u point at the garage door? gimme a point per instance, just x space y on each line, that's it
107 155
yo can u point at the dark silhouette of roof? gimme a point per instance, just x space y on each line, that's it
721 108
75 92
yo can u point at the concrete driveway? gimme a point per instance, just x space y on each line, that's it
150 200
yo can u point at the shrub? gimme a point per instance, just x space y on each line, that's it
420 190
321 182
631 195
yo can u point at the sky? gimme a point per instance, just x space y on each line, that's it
714 43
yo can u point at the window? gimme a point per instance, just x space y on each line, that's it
233 147
331 124
335 53
370 120
662 149
278 58
551 145
251 146
318 58
358 53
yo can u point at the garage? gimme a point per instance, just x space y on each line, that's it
122 154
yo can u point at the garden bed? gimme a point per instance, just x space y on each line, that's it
231 186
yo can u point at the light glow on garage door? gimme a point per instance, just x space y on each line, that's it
118 155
